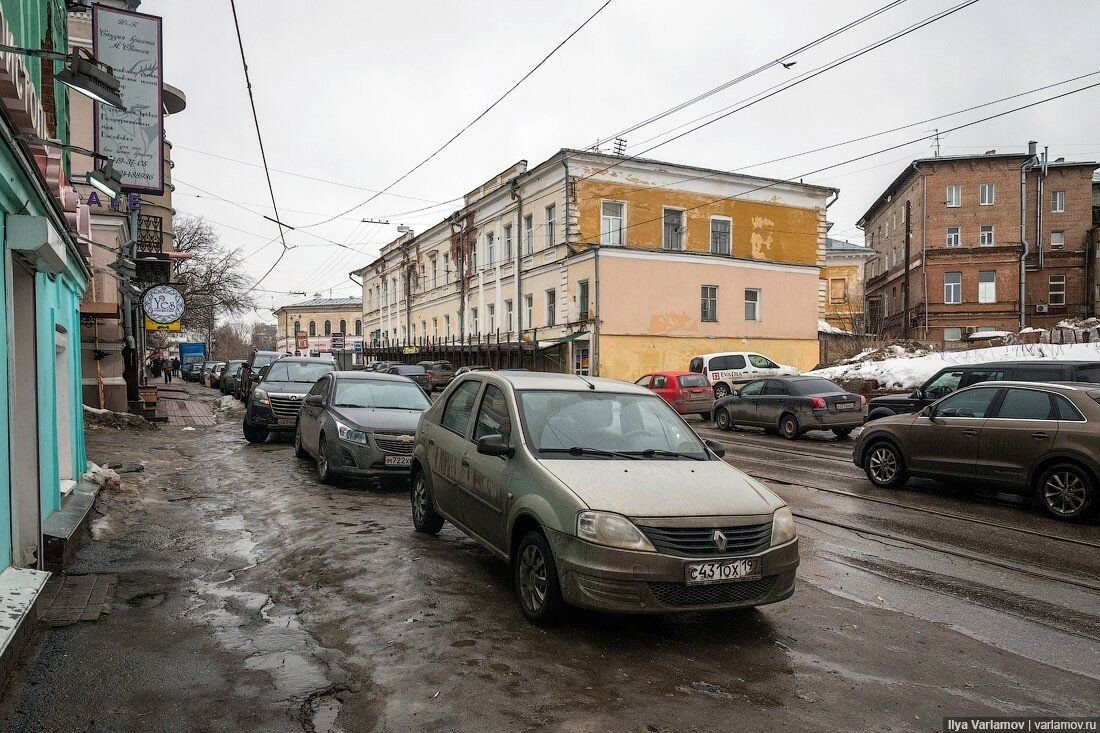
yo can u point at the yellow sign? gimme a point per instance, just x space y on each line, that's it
411 350
154 326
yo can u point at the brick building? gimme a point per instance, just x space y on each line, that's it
965 251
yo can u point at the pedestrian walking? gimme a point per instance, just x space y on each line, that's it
175 366
167 367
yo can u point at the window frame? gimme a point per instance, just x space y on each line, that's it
981 236
957 234
312 328
583 299
682 226
947 285
490 248
708 303
508 251
1051 292
984 297
478 385
1061 246
528 235
992 194
758 303
951 202
482 397
551 307
551 225
328 328
606 232
1057 202
729 235
843 290
529 308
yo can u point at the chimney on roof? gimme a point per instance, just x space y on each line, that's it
991 152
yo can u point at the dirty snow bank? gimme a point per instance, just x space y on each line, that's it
96 418
897 368
102 476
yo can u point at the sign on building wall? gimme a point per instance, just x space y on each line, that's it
301 339
130 43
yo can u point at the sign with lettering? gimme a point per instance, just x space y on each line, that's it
301 340
163 304
130 43
151 325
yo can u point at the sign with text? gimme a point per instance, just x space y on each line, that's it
301 340
130 43
151 325
337 341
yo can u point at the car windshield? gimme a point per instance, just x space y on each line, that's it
262 360
296 371
395 395
604 425
411 370
817 386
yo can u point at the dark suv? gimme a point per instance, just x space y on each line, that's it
950 379
277 395
440 374
257 360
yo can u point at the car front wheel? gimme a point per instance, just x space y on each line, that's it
299 450
425 518
254 434
324 467
1067 492
884 467
720 391
722 419
536 579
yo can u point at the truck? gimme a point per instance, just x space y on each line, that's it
191 353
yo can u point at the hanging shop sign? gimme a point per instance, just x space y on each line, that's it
130 43
163 304
151 325
301 340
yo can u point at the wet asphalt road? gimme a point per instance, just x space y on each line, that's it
253 598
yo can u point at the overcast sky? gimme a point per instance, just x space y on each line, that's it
356 92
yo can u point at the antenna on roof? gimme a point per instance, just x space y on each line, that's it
620 146
935 140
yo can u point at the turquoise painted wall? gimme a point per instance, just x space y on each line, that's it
5 423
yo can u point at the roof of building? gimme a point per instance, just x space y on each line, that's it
320 304
910 169
839 246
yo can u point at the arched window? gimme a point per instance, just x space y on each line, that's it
328 328
312 328
297 326
358 327
343 327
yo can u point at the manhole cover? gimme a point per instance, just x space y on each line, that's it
71 598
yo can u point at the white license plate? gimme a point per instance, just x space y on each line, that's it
288 421
721 572
846 405
398 460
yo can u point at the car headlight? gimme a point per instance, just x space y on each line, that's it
783 530
350 434
261 397
612 530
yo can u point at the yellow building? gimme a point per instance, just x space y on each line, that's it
625 265
843 277
306 328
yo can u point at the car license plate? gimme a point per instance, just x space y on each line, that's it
846 405
398 460
287 421
720 572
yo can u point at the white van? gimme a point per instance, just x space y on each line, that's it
733 367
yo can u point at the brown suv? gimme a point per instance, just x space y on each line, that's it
1028 437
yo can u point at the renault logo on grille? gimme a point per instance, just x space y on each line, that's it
719 540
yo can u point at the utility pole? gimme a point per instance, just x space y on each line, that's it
905 264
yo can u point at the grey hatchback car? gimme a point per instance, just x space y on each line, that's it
600 496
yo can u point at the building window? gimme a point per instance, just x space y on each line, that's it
708 297
1057 293
720 231
986 195
328 328
492 313
508 315
424 329
1057 240
529 310
529 234
673 229
447 325
297 326
954 196
838 290
987 286
752 304
490 249
894 257
612 217
435 271
952 334
446 268
473 258
435 327
412 332
507 242
985 236
551 215
582 299
551 307
473 321
953 238
1058 201
422 281
952 287
313 328
343 327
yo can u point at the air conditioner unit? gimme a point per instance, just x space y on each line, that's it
1042 308
971 329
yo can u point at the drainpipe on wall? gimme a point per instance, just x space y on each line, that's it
595 355
1039 186
1024 168
518 254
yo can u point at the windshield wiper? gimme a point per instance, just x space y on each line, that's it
578 451
651 452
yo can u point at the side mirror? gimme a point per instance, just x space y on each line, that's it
313 400
494 445
918 394
716 448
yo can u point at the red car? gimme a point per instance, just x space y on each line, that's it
688 393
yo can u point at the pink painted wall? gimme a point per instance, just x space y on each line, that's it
647 296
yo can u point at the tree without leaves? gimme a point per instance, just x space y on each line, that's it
212 279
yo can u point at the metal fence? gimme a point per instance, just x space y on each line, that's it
489 350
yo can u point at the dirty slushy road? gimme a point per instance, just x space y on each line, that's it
253 598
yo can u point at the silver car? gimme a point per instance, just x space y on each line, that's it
602 498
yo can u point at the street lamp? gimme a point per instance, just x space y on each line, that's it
105 179
89 76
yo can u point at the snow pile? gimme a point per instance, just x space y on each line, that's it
984 335
826 327
911 369
1079 323
226 403
897 350
102 476
96 418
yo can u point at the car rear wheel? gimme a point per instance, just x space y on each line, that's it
705 415
789 427
425 519
722 419
720 391
298 449
1067 492
254 434
536 579
884 466
324 467
842 433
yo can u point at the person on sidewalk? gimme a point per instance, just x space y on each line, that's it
167 368
175 366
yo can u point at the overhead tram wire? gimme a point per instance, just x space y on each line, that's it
474 121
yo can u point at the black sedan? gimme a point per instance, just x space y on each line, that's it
791 406
360 424
415 372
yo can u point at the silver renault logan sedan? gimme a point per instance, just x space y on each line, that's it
602 498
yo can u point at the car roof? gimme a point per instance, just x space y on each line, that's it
360 374
1025 363
305 360
1062 387
557 382
674 373
725 353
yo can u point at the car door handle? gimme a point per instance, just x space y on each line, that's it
970 432
1039 436
465 462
